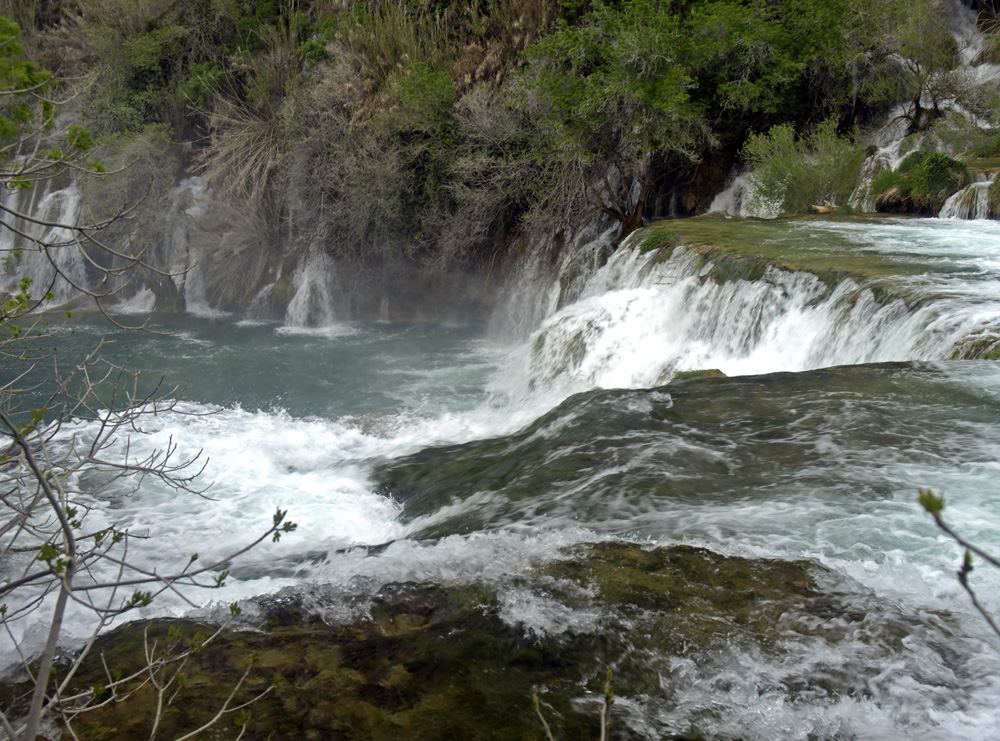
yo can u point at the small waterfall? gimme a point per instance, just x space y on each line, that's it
48 255
548 277
888 155
63 264
972 202
737 198
188 203
315 290
972 43
730 200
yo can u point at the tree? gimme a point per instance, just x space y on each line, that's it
909 53
640 91
793 173
51 557
927 54
616 92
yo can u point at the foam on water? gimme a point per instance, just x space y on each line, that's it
844 501
641 318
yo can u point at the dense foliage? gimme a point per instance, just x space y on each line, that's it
794 173
432 131
924 179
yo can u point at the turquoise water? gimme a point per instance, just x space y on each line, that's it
436 454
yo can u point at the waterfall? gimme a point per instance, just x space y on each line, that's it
315 285
972 202
60 264
188 202
551 273
644 317
737 198
729 200
63 264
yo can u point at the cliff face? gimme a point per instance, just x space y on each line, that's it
398 162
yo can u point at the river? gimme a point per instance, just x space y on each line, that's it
440 454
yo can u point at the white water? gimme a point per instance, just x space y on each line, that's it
972 202
838 502
58 266
315 283
641 319
738 198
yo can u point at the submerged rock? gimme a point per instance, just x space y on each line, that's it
981 345
699 373
464 661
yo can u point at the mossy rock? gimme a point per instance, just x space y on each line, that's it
701 373
993 198
658 238
432 662
921 184
981 345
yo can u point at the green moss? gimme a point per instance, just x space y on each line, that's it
433 662
933 175
703 373
981 345
657 238
886 181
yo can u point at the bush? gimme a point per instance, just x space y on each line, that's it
923 181
934 175
795 173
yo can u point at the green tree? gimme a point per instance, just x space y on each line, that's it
643 90
616 92
928 60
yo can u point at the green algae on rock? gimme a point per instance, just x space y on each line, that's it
432 662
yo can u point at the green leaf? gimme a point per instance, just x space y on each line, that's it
79 138
931 502
47 553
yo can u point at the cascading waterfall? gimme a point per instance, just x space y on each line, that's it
189 202
61 264
972 43
425 458
537 287
737 198
972 202
644 317
315 284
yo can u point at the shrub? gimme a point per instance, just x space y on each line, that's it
923 180
933 175
795 172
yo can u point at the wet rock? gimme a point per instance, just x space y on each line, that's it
981 345
700 373
432 662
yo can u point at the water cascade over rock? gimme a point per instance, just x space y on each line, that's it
68 267
61 266
655 309
971 202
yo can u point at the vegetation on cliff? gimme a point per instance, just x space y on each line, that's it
431 132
